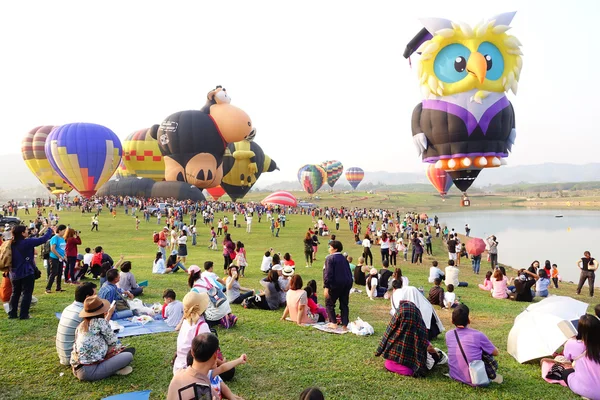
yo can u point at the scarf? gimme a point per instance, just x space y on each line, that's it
405 339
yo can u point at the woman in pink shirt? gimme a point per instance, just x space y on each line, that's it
297 303
499 285
487 283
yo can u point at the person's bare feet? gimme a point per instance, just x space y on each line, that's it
332 326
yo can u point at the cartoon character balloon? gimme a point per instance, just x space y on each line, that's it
32 149
439 178
354 176
85 155
193 142
142 156
465 122
243 164
311 177
334 170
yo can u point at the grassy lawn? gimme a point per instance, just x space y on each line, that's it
283 358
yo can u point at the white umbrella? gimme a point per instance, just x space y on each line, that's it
560 306
535 335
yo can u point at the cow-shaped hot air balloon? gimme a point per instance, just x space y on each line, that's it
85 155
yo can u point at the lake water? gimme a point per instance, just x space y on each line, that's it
527 235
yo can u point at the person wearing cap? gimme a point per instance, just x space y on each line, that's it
193 324
97 353
337 281
297 303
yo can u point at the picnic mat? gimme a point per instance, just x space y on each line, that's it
322 326
546 365
137 329
145 395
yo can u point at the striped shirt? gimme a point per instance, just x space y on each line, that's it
65 335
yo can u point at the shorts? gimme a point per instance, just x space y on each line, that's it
452 256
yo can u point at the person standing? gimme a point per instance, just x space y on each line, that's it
72 239
22 272
467 230
337 281
493 251
248 222
588 266
366 243
57 259
94 222
451 243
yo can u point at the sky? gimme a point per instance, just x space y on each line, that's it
320 79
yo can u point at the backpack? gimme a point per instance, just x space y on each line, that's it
6 256
215 294
155 238
46 250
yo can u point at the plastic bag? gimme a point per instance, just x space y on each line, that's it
115 326
361 328
137 305
142 319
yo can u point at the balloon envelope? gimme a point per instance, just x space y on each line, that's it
354 176
439 178
32 149
123 172
142 156
148 188
85 155
311 177
281 198
334 170
475 246
216 192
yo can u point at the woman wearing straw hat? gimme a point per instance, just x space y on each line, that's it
193 323
97 353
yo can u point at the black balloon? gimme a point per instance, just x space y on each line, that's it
147 188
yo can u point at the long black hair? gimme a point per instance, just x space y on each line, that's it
589 331
273 277
193 278
17 232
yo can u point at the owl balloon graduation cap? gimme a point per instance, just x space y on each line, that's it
465 122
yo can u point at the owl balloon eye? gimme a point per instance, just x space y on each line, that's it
450 64
494 60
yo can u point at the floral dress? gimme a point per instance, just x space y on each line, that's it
91 347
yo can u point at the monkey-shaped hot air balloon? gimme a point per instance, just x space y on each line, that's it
193 142
243 164
465 122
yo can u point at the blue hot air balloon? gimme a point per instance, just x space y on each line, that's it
84 155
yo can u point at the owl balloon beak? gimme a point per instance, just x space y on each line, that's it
477 66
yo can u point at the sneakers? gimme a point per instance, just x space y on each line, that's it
124 371
443 357
498 379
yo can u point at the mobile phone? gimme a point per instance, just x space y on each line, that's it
113 303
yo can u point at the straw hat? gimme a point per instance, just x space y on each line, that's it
288 270
192 299
93 306
373 271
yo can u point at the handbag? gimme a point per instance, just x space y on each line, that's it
476 368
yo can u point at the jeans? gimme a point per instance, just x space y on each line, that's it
476 263
122 314
163 250
136 291
55 272
104 369
308 255
555 281
242 297
343 295
24 286
590 276
543 293
70 270
393 258
429 249
463 284
194 239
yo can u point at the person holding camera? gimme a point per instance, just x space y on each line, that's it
72 239
57 258
493 251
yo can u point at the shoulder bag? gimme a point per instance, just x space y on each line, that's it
476 368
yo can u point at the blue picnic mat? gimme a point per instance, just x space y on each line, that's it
137 329
145 395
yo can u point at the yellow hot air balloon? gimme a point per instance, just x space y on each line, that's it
32 149
142 157
123 172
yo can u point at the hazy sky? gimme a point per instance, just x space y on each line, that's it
320 79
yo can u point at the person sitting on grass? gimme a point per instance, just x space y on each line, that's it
158 266
127 283
436 293
452 275
97 353
435 272
499 285
450 298
172 309
70 320
267 262
583 375
215 315
297 303
523 284
372 285
487 282
405 346
233 286
270 298
315 308
192 324
111 292
174 262
542 284
466 345
360 278
195 382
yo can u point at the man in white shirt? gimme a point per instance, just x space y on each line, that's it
435 272
249 223
213 278
452 276
320 225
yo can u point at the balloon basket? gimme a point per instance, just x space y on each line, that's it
465 202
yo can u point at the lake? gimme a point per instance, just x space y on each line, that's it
527 235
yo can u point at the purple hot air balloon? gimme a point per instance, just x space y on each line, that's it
83 154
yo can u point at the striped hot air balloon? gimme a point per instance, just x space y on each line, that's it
32 149
142 156
334 171
311 177
281 198
85 155
354 176
439 179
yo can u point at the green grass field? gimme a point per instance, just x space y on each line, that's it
283 358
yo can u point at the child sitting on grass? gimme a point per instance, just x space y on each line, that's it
172 309
450 297
314 308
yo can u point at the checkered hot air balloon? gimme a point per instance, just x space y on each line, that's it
354 176
334 171
311 177
142 156
83 154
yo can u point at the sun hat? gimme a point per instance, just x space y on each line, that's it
194 299
192 269
373 271
93 306
174 253
288 270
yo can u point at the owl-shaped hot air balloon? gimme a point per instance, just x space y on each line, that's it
465 122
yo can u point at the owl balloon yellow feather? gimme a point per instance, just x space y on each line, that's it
465 122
